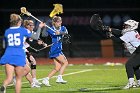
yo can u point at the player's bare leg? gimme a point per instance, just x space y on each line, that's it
33 70
19 74
64 62
9 76
56 69
28 76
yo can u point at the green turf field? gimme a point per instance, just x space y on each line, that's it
81 79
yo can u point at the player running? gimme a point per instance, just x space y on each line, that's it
56 53
14 57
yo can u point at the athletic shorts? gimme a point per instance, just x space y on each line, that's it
54 55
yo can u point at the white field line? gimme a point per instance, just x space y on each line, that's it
63 75
79 69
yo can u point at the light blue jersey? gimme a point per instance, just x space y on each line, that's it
56 49
15 53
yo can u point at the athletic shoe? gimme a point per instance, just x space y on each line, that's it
137 85
130 85
3 89
37 82
46 82
60 80
34 85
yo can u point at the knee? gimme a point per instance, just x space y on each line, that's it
57 68
33 66
27 70
65 63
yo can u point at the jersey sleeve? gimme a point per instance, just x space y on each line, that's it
64 29
127 37
27 33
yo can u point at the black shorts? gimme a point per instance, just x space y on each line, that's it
28 54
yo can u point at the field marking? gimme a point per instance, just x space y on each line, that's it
86 70
80 69
62 75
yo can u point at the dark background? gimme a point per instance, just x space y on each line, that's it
76 16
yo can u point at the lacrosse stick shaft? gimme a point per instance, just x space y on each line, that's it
45 47
33 49
41 21
24 11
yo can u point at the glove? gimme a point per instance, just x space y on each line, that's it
106 28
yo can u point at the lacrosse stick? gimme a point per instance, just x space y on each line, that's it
24 11
58 8
34 49
37 50
65 39
45 47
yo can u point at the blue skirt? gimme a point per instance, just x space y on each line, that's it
15 60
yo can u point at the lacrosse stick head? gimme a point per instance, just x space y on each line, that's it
66 39
58 9
24 11
96 22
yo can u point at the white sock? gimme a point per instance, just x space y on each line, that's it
131 80
34 79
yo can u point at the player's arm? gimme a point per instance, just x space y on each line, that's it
115 39
37 34
63 32
115 32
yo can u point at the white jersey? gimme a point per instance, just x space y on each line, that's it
131 39
26 45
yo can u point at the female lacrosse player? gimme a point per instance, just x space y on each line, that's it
131 39
56 53
29 24
30 61
14 56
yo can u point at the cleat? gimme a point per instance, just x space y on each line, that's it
37 82
2 89
130 85
33 85
137 85
61 81
46 82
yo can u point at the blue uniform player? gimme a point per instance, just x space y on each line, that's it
14 56
56 49
55 52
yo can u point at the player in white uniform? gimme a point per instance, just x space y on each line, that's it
29 24
131 39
